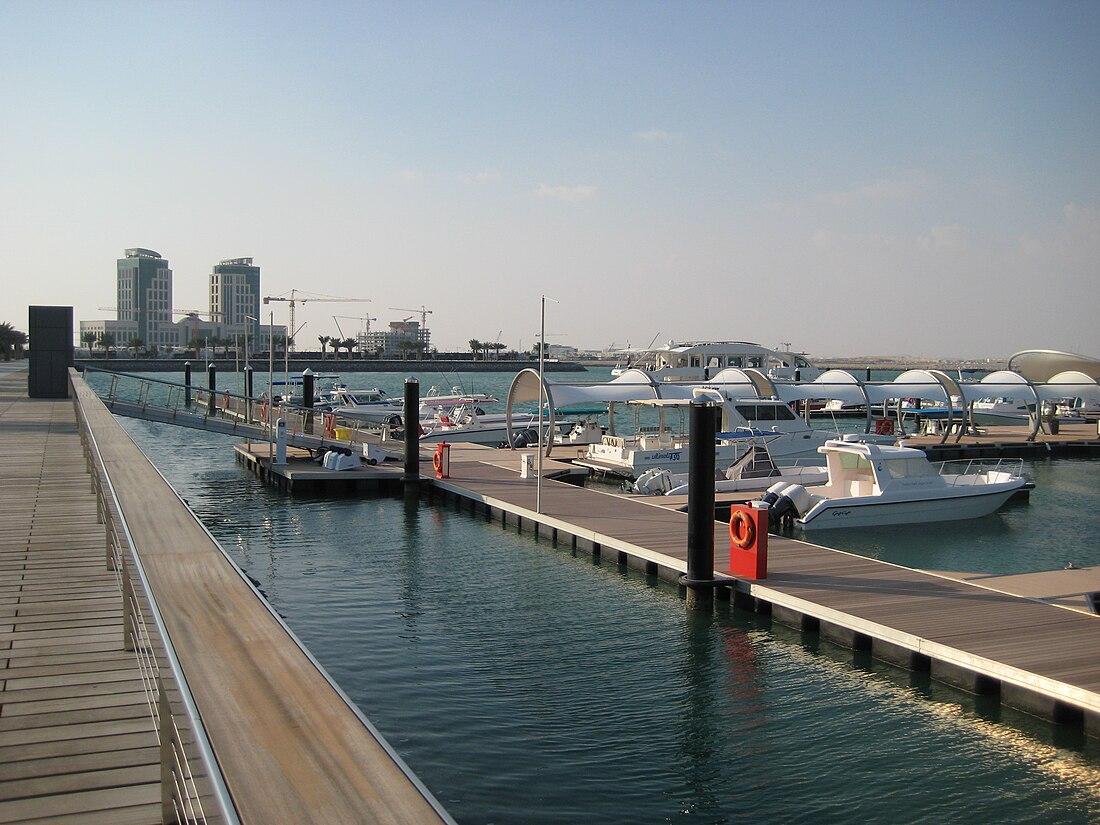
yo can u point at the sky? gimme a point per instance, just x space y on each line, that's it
855 178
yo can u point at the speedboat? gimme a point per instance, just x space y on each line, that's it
789 437
871 485
1001 410
371 406
701 360
754 470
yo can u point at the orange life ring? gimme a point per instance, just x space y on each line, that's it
263 411
330 425
742 529
437 462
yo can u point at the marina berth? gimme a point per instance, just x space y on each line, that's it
871 485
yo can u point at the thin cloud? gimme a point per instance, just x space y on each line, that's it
659 136
484 176
567 193
884 189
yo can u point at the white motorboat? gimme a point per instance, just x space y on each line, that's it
701 360
872 485
370 405
661 446
1001 410
754 470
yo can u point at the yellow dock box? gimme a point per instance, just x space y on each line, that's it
342 433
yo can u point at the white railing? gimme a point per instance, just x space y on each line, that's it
976 466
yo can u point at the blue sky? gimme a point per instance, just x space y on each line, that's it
855 178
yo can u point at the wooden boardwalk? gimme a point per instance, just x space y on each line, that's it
77 742
1041 657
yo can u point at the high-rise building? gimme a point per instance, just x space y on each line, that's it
235 296
145 296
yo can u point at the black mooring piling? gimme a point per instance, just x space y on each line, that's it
700 555
212 378
411 417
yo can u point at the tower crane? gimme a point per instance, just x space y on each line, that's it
424 313
364 335
293 299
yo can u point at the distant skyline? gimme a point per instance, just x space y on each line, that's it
855 178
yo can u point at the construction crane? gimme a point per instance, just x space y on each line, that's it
294 299
364 336
424 313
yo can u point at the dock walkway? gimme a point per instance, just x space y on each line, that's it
77 741
1040 657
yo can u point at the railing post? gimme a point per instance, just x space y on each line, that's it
187 383
127 607
168 810
247 393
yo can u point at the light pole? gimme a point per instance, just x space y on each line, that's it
542 355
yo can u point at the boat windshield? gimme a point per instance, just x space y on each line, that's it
918 467
766 412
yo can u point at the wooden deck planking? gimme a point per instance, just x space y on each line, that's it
290 747
1020 641
69 694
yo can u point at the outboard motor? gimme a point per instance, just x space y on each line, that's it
525 438
655 481
790 502
773 493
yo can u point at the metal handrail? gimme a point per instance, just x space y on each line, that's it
179 787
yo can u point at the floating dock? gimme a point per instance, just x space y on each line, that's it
1039 657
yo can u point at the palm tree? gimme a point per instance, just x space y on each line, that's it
89 339
106 340
496 347
10 339
349 344
134 344
475 346
324 342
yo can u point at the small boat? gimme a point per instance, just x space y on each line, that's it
666 447
872 485
367 405
754 470
1001 410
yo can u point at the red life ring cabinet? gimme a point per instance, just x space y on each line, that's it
742 529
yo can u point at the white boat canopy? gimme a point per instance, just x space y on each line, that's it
734 384
1041 365
527 387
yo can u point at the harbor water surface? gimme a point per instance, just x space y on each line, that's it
525 683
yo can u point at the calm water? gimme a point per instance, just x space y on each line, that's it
525 684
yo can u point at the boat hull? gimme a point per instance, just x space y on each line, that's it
873 511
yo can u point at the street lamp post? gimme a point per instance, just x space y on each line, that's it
542 355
